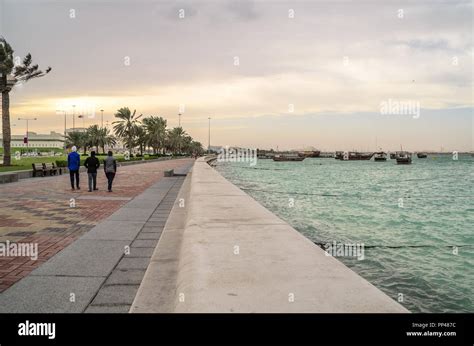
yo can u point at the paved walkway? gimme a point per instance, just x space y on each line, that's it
102 270
46 212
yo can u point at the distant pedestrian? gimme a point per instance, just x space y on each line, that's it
110 168
73 164
92 163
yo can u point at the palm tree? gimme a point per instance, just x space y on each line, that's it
175 139
94 135
196 148
156 132
186 142
140 137
99 137
11 75
86 142
126 126
75 138
106 139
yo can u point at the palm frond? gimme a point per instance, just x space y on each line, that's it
6 46
27 60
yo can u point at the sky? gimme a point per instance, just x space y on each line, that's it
333 75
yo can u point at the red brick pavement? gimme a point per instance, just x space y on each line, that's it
38 211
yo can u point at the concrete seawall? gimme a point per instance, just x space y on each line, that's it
224 252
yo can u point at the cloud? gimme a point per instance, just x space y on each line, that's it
337 57
243 10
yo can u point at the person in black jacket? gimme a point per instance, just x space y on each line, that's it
92 163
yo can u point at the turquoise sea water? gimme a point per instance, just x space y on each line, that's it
409 218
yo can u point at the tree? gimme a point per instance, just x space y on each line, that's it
186 142
94 136
175 139
140 139
75 139
156 132
98 137
12 74
106 139
196 148
126 126
86 142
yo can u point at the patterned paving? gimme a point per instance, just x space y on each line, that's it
44 211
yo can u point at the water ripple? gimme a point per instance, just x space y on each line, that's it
416 220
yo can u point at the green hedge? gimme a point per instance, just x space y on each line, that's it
63 163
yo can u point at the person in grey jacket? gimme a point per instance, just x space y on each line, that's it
110 168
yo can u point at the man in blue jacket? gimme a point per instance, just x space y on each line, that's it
73 164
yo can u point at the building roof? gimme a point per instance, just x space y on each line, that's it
33 136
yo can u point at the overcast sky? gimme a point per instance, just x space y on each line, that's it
286 73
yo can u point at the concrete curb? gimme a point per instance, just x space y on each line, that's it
157 291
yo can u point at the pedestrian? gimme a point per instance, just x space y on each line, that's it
110 168
92 163
73 164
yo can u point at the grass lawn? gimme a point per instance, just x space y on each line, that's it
25 163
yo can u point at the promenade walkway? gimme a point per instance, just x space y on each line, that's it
46 212
191 244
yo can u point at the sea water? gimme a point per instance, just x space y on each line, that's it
416 222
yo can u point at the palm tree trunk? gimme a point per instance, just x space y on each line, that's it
6 132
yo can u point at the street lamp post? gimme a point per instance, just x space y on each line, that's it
81 116
27 120
101 118
65 116
179 121
209 137
73 118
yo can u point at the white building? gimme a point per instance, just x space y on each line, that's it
35 140
76 129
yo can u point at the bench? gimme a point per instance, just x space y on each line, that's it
169 173
38 168
44 168
51 168
58 168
